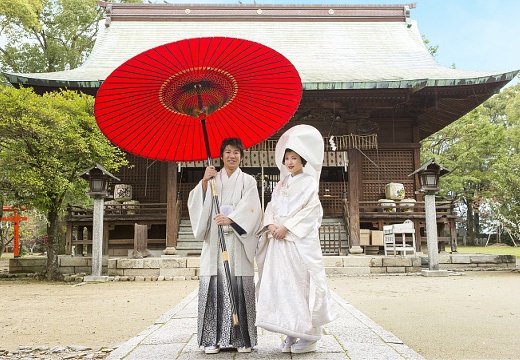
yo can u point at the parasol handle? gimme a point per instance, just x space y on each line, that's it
225 258
202 118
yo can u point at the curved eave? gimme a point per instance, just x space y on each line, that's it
91 86
415 84
42 85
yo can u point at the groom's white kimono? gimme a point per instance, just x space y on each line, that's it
239 200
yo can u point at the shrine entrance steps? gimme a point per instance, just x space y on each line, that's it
186 243
333 238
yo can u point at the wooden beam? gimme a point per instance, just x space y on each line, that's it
171 213
355 173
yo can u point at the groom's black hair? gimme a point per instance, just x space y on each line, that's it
235 142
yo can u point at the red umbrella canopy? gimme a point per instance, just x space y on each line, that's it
152 105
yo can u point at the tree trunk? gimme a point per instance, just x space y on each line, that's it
3 240
476 224
52 269
470 223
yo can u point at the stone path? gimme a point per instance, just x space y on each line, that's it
351 336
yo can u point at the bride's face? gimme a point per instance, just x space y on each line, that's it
293 163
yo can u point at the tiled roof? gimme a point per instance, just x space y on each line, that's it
332 47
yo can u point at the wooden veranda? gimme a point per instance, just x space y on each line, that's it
335 194
120 220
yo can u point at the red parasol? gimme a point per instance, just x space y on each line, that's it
150 105
162 103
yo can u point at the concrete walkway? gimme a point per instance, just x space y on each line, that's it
351 336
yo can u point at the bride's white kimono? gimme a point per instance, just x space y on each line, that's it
292 292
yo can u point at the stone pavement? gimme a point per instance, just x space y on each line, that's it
351 336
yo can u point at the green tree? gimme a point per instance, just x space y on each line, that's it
7 198
431 48
45 141
32 231
43 36
481 150
48 35
504 199
6 232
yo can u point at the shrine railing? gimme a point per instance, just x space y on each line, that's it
376 216
399 210
341 143
145 211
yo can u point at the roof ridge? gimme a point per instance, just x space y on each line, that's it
257 12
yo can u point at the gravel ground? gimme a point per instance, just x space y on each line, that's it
468 315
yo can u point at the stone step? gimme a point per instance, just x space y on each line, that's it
190 253
186 234
331 271
186 241
189 245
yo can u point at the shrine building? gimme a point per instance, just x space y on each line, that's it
369 85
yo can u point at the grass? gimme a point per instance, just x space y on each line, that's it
6 256
493 249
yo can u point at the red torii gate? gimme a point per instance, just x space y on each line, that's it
16 218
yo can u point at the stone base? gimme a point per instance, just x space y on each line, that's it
434 273
170 251
188 266
93 278
356 250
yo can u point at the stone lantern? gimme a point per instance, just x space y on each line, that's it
429 174
99 180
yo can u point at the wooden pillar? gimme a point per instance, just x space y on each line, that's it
68 239
171 209
140 241
105 238
441 232
453 236
417 164
355 175
80 236
89 237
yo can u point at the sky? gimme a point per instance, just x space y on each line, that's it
480 35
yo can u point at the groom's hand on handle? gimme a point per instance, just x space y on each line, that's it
210 173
